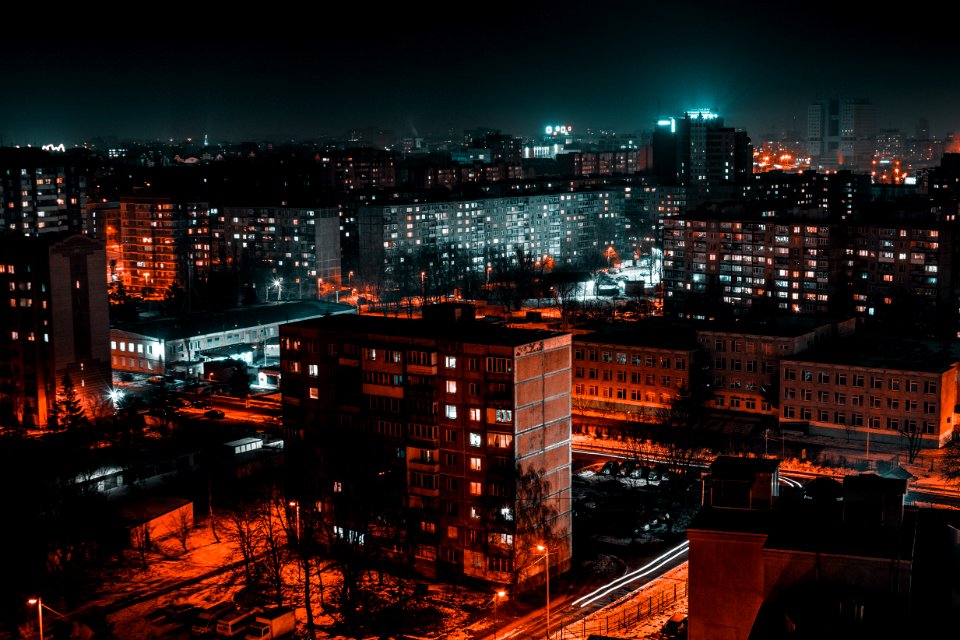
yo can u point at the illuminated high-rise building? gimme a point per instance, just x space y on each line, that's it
40 193
698 150
841 133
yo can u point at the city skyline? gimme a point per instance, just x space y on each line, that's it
615 68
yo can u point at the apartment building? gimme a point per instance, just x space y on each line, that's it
465 411
874 390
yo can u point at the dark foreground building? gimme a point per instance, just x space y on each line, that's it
54 322
842 561
443 442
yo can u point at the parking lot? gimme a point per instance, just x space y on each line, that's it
628 510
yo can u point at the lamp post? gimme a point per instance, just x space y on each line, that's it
496 599
546 560
296 505
37 601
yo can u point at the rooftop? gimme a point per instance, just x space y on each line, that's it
885 352
470 331
240 318
642 334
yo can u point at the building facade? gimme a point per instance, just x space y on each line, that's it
567 227
56 324
168 345
874 390
841 133
635 374
469 414
41 193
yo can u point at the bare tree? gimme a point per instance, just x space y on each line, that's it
141 541
183 525
913 436
242 530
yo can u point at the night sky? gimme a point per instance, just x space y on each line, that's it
410 69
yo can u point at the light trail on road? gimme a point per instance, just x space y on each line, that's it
790 482
633 576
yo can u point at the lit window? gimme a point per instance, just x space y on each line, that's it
475 414
451 386
474 488
314 393
504 415
313 370
476 464
450 362
475 439
451 411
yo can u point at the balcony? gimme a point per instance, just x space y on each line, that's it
424 466
422 370
427 493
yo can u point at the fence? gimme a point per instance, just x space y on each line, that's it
622 617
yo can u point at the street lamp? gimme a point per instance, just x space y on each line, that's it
278 283
40 607
296 506
546 560
37 601
496 599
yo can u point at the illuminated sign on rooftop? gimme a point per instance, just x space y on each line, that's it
668 122
703 114
558 130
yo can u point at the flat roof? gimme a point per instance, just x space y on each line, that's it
779 327
240 318
470 331
738 468
659 339
885 352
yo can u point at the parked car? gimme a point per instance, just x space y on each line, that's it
206 621
626 467
676 627
215 414
202 404
664 474
610 468
235 622
653 478
272 623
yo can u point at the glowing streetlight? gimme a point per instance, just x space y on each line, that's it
37 601
546 560
116 397
40 607
278 284
499 595
296 505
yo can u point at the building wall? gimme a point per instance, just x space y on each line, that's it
565 226
136 353
842 400
470 416
726 586
785 569
302 246
744 368
55 322
39 194
636 380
